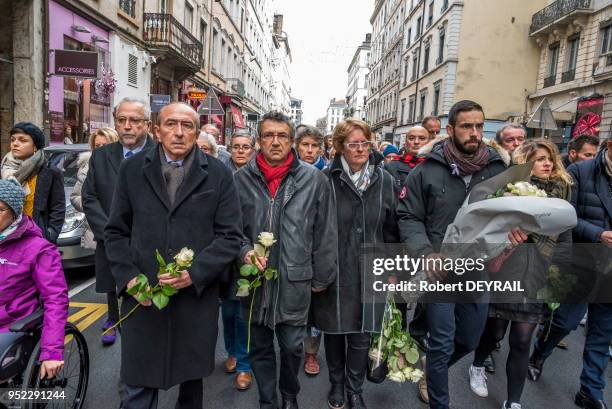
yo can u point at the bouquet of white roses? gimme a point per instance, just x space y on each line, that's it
393 351
158 294
518 189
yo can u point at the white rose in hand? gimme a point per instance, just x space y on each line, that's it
266 239
184 257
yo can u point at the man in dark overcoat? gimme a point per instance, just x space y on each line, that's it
170 198
132 125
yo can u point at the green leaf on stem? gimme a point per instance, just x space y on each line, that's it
243 291
160 300
412 356
141 297
160 259
268 274
256 283
168 290
248 270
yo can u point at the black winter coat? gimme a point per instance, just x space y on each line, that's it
367 219
304 225
162 348
97 197
49 203
433 197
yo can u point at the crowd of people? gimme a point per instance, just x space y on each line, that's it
169 186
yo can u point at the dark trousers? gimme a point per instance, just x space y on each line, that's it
347 359
454 331
191 396
565 320
418 326
263 361
596 350
113 306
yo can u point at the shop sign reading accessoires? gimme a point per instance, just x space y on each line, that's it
82 64
197 94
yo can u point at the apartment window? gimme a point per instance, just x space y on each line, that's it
188 16
553 61
222 52
408 37
444 5
215 39
418 27
203 33
163 6
128 7
403 104
415 67
411 108
606 43
436 98
430 16
132 70
441 41
422 105
426 59
571 56
405 71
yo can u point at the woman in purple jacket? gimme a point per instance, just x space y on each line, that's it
30 275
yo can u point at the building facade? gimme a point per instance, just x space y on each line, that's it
575 66
296 111
357 92
451 53
336 112
383 79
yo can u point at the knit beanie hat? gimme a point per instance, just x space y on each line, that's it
389 150
12 194
35 133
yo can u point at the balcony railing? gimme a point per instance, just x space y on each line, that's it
128 7
550 81
235 86
164 31
556 11
568 76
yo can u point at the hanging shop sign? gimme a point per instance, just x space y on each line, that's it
80 64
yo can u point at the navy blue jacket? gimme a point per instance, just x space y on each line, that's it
592 198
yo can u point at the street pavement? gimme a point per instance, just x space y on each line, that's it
554 390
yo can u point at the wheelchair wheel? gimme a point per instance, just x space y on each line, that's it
72 379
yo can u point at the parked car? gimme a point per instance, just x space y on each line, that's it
65 158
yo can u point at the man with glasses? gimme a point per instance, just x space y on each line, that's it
284 196
435 190
132 122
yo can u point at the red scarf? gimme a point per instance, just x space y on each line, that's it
412 160
274 175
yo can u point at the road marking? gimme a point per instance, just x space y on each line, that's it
88 314
81 287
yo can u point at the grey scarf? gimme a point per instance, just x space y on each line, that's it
361 178
174 175
22 170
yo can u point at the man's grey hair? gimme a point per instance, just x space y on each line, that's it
277 116
243 133
212 143
311 132
416 128
134 100
500 131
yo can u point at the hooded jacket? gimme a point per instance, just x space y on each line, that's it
432 195
30 274
303 219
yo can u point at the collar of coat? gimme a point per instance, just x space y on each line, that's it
437 141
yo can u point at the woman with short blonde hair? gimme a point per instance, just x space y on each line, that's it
527 151
96 138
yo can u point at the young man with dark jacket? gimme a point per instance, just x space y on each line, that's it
280 194
435 190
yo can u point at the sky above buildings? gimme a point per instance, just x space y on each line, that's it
323 36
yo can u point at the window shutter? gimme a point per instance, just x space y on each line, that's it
132 70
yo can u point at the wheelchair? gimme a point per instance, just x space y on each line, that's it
19 366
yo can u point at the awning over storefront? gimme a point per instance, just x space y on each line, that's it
217 119
237 117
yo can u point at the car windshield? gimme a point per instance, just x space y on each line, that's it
67 163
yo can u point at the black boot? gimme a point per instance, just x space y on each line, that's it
588 402
289 403
535 368
355 401
335 398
